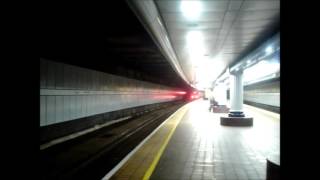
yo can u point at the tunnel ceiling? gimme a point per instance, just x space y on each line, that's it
223 30
106 37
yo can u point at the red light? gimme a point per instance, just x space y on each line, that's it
181 92
164 96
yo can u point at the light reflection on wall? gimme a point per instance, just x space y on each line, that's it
260 70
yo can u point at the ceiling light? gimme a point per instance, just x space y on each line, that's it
269 50
194 37
191 9
195 43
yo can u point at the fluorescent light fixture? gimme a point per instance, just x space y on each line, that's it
194 37
269 50
195 44
196 52
191 9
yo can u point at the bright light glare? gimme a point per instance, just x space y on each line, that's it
194 38
269 50
191 9
219 94
203 125
261 69
196 52
181 92
217 57
195 45
207 71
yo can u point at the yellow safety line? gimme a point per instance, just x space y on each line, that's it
150 170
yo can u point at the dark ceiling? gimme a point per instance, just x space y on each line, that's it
103 37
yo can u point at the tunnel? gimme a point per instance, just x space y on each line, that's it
160 89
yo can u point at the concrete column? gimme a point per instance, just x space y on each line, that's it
236 116
236 94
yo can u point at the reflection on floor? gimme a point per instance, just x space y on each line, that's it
201 148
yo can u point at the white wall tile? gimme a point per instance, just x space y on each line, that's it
98 100
73 107
82 106
105 103
85 99
78 105
59 109
89 105
66 106
43 121
96 104
100 104
50 110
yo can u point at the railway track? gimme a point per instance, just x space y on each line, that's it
92 155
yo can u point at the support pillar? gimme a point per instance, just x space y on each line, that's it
236 92
236 117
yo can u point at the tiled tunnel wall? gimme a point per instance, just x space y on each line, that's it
69 92
264 95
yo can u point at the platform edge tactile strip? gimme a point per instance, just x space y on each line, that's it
141 163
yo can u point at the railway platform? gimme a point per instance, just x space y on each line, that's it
191 144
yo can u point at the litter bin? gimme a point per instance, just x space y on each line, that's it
273 168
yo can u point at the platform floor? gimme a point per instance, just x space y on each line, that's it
193 145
